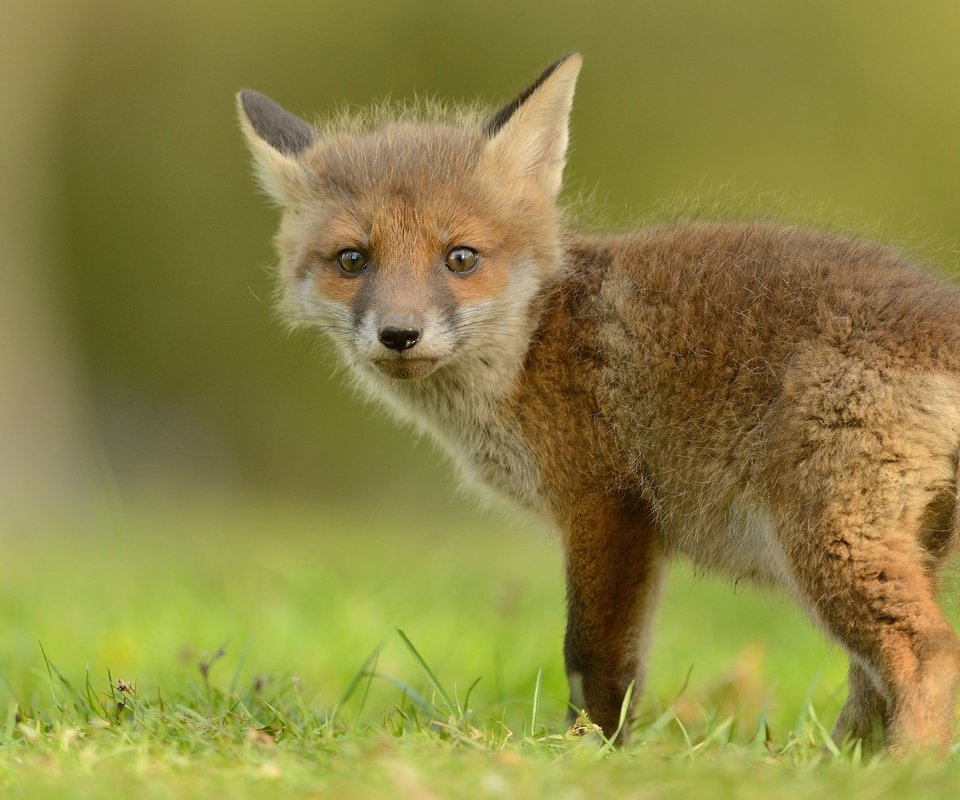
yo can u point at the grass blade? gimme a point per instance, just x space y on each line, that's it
466 699
536 702
429 673
610 743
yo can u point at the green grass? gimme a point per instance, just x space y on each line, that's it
230 651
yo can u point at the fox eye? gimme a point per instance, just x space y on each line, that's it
462 259
352 261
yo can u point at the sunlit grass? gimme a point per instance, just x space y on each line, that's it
218 650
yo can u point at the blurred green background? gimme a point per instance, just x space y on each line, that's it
137 341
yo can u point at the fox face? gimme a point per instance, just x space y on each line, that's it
418 244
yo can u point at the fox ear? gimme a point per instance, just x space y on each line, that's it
276 139
529 135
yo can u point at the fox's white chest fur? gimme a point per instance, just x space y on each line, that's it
460 411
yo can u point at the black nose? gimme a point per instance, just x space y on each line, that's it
399 338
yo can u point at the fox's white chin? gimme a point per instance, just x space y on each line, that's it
405 368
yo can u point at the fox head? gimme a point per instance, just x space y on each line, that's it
418 244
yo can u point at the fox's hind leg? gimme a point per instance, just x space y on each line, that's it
860 469
865 577
866 711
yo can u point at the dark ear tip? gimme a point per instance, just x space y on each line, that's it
240 98
498 120
254 103
572 55
248 102
275 125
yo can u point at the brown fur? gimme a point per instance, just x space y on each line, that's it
777 403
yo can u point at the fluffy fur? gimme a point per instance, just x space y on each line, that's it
777 403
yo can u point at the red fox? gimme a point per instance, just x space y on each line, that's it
777 403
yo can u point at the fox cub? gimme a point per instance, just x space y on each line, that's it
777 403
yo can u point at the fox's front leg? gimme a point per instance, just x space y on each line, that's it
613 576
